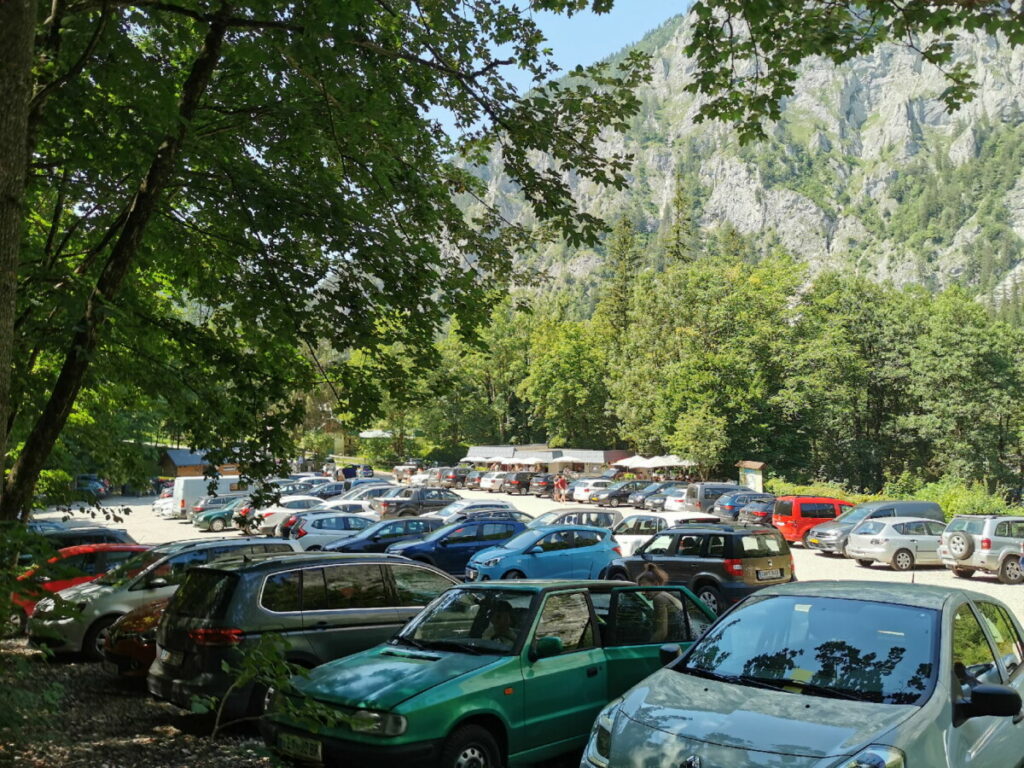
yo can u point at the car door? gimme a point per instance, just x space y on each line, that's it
387 535
913 535
640 620
554 561
687 560
929 546
660 550
564 691
981 742
452 552
590 554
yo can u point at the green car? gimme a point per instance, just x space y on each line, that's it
495 674
219 518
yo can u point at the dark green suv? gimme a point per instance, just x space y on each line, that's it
325 605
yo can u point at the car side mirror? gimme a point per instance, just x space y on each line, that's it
668 653
156 583
546 647
989 701
442 543
533 551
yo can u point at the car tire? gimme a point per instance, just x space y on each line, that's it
217 525
405 513
17 622
514 574
617 575
1010 571
804 538
614 502
865 563
902 560
960 545
92 646
711 596
470 745
314 548
963 573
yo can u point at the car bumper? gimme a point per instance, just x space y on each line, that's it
130 659
59 635
863 553
335 751
181 692
826 545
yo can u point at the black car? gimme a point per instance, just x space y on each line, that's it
542 485
517 482
637 498
380 536
756 513
728 506
412 500
454 477
473 479
721 564
325 606
617 493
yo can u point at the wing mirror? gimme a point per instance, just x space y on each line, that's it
156 583
533 551
545 647
989 701
669 653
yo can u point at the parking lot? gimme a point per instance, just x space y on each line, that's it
146 527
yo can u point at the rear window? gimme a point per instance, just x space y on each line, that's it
205 594
760 545
968 524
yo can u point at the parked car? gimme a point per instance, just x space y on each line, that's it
325 606
76 536
472 480
403 472
455 477
270 517
701 497
987 543
366 491
593 517
548 518
795 516
637 529
830 537
314 531
548 552
69 567
899 542
582 491
411 501
727 507
491 481
617 493
542 485
756 513
379 536
436 475
449 548
365 470
824 674
639 497
419 477
721 564
517 482
78 619
330 490
491 674
220 517
450 513
130 645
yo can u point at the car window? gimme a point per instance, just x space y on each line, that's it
417 586
713 493
973 662
394 530
649 616
85 563
116 558
567 617
691 492
466 533
356 523
354 586
281 592
1004 634
761 545
417 527
716 546
586 539
689 545
556 541
817 510
935 529
887 512
495 531
660 545
966 524
871 527
783 508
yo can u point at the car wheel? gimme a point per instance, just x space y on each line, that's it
961 545
865 563
614 501
217 525
903 560
803 540
471 746
963 573
1010 572
406 513
711 597
314 548
17 621
514 575
618 575
92 646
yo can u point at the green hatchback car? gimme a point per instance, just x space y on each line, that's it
219 518
487 675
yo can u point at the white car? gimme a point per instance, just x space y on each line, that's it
831 674
466 505
314 530
638 528
583 490
165 507
420 478
361 508
675 499
492 481
271 516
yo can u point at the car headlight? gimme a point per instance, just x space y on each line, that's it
490 563
46 605
876 756
380 723
600 747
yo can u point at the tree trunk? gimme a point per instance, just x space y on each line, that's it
17 28
21 481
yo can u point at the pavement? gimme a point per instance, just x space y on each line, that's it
148 528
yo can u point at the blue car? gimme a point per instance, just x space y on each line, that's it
547 552
449 548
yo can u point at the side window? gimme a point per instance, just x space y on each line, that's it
628 527
79 564
901 528
889 512
495 531
935 529
567 617
417 586
973 662
116 558
417 526
649 616
1002 529
818 510
1004 633
660 545
355 586
556 541
691 493
393 531
175 568
712 494
716 546
463 535
783 509
281 592
281 547
696 620
356 523
1017 530
689 546
314 590
586 539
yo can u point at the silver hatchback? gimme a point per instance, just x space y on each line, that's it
988 543
900 542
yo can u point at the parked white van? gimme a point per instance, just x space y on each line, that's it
189 490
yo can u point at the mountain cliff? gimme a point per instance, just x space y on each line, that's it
866 170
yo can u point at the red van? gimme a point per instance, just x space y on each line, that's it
794 516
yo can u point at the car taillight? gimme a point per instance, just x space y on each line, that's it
729 507
182 504
733 565
197 508
290 521
760 514
244 511
698 504
299 532
215 636
680 499
986 543
617 550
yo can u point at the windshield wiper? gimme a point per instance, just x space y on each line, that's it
462 646
824 690
756 682
411 641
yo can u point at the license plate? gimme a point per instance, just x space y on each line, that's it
774 573
170 657
299 746
814 541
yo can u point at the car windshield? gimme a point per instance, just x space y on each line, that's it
475 621
131 568
544 519
822 646
523 539
620 484
854 514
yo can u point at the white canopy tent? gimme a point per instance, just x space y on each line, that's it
631 462
567 460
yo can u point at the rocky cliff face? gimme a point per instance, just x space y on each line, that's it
862 171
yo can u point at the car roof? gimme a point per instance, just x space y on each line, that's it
907 519
82 549
899 593
718 528
552 528
546 585
273 560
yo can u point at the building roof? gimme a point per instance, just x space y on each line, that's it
183 458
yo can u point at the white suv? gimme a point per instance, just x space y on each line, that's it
988 543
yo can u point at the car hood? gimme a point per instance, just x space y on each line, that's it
143 618
731 724
85 592
491 552
383 677
834 527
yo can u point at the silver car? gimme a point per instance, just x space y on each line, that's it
78 619
900 542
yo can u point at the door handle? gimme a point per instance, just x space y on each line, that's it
592 672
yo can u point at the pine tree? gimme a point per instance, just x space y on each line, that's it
682 243
623 257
